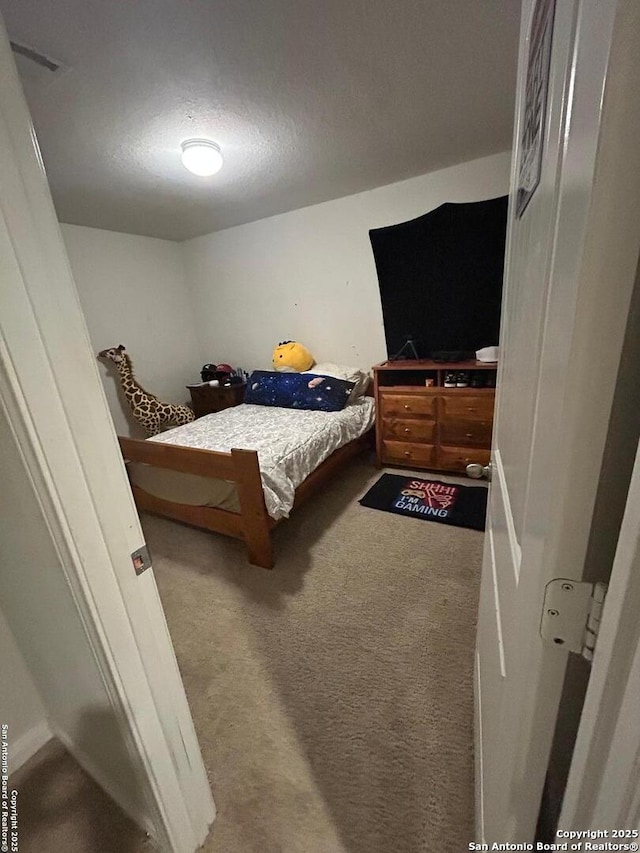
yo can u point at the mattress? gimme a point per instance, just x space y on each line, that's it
290 445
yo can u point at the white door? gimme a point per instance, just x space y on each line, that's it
570 267
53 400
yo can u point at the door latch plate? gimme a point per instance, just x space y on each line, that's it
141 560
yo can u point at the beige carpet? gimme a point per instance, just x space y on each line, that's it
332 696
62 810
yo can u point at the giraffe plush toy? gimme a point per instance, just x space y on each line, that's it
151 413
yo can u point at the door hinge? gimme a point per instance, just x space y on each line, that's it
141 560
571 614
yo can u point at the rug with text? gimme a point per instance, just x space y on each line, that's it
431 500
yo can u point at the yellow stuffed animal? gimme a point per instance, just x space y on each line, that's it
292 357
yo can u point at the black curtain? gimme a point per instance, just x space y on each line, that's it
440 277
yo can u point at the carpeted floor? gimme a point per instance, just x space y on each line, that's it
333 696
60 808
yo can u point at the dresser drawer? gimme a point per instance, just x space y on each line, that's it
468 406
457 458
405 452
411 430
466 432
407 405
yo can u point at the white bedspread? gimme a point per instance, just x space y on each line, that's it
290 443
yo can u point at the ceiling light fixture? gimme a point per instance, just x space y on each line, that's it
201 156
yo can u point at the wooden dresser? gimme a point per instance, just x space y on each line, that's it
432 427
207 398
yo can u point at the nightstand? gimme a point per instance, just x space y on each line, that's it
206 398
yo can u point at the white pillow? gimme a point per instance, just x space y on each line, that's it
343 371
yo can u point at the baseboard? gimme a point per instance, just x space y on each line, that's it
91 769
25 747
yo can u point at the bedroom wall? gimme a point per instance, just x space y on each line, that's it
310 274
132 291
21 707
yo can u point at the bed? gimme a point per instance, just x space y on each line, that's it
241 471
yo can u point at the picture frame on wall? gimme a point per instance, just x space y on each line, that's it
535 107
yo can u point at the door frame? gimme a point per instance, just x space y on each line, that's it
53 398
603 789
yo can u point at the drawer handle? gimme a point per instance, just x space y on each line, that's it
406 429
407 407
471 409
407 453
469 434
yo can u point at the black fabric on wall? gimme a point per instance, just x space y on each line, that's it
440 277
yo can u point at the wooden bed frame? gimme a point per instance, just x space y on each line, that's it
252 523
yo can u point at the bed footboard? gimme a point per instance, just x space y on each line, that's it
253 523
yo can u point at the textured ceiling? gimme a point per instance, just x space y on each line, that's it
309 99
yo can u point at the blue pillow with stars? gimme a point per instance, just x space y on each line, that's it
309 391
